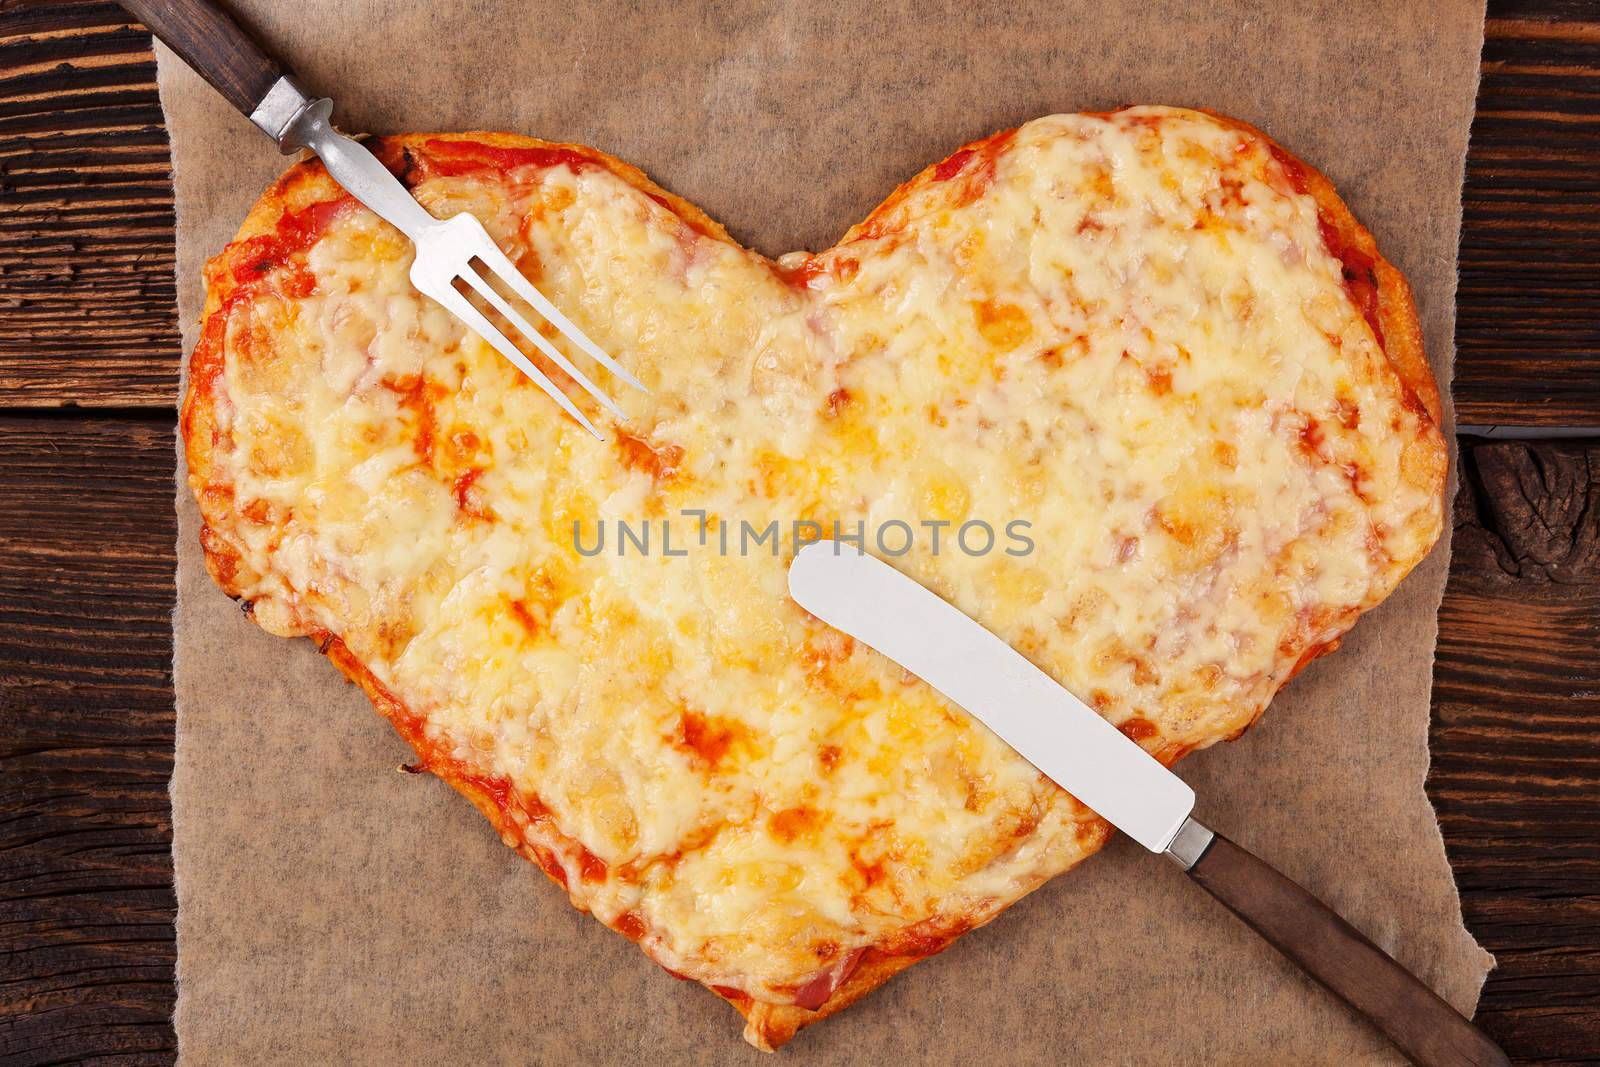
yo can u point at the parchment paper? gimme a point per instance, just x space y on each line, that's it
331 909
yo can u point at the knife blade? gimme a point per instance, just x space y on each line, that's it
990 680
1084 754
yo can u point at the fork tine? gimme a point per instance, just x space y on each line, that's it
507 272
524 327
462 308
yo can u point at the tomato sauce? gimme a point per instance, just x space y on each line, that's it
296 231
444 159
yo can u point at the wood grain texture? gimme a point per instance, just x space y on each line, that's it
1528 308
86 532
1516 737
87 299
86 559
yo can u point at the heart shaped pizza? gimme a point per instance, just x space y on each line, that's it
1134 390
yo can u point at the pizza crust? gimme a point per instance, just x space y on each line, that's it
769 1025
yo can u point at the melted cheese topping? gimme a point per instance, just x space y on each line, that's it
1123 330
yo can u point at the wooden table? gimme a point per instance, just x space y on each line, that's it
88 370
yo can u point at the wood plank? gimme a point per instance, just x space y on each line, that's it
87 531
1528 308
1516 737
87 297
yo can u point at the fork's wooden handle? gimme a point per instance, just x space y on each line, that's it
1428 1030
214 44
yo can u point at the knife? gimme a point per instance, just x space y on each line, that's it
1091 759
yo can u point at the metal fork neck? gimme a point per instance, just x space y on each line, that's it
298 121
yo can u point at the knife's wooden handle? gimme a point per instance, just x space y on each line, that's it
215 45
1428 1030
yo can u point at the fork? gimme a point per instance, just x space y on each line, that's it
217 47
